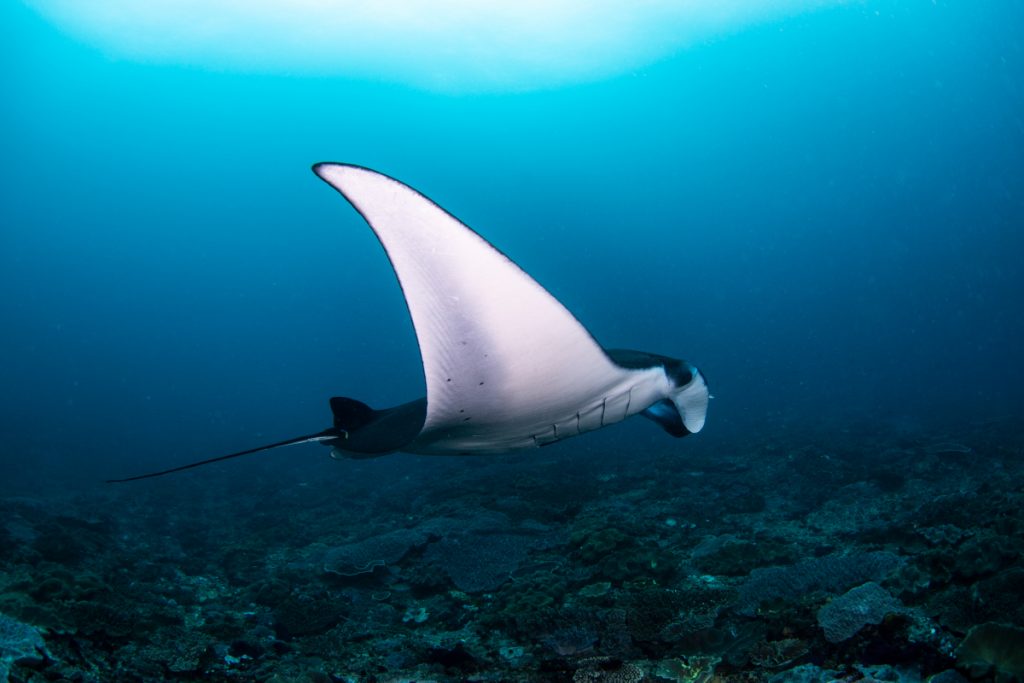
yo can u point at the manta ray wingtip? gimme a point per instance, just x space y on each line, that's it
338 175
321 166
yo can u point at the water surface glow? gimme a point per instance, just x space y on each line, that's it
449 45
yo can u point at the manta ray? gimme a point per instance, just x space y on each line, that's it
507 366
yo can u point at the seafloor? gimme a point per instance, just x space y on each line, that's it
851 552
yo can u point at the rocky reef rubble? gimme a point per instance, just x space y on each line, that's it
881 555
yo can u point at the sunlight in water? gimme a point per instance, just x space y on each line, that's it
451 45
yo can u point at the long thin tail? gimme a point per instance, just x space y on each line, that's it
326 435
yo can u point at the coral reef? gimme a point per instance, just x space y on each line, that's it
993 648
842 617
19 644
807 556
827 574
364 556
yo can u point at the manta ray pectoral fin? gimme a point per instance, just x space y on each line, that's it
501 356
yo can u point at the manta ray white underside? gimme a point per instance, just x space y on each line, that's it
507 367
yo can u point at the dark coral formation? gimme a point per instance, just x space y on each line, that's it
803 557
996 649
843 617
825 574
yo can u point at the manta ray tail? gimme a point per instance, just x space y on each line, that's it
326 435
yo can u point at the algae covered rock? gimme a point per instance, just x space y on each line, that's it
478 562
993 648
20 643
303 615
829 574
594 545
847 614
805 673
362 557
607 670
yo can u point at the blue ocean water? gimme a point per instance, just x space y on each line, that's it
824 213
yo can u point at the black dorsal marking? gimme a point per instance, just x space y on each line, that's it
350 414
